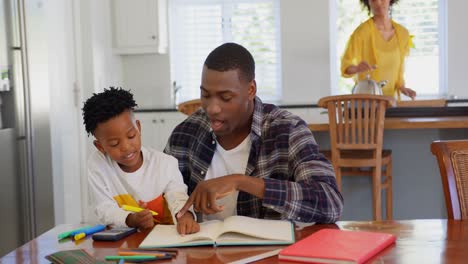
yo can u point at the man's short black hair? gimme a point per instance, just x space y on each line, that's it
232 56
365 4
105 105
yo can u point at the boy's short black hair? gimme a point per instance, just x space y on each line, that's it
232 56
105 105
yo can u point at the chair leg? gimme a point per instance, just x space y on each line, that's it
338 177
389 191
377 192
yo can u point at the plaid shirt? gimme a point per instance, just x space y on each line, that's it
300 183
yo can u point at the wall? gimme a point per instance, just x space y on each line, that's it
107 66
305 50
64 111
457 48
149 77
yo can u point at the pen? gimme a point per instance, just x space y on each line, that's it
136 209
77 235
69 233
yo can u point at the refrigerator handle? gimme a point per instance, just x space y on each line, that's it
19 94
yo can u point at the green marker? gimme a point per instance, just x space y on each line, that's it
68 233
136 258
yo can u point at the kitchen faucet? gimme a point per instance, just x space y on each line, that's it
175 90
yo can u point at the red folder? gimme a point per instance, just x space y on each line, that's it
337 246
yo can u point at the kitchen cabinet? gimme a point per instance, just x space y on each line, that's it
156 127
139 26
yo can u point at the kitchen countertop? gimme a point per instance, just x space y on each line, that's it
442 122
450 103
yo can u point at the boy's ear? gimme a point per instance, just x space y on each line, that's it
138 125
99 147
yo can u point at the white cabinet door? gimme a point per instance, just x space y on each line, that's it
139 26
156 127
149 129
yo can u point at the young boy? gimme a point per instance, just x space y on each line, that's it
122 172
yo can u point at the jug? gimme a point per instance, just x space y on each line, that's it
369 86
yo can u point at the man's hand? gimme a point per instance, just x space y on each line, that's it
141 220
408 92
187 225
204 197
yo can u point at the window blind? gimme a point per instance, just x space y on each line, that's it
424 65
197 27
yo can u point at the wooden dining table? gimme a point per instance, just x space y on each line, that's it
418 241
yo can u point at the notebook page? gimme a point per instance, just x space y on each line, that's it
167 236
259 228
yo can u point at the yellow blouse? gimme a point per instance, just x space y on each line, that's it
366 43
389 56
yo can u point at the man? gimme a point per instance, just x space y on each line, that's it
240 156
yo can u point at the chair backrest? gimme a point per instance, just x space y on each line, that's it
189 107
356 121
452 156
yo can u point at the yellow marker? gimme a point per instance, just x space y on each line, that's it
79 236
136 209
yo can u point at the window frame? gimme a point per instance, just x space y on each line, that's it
227 36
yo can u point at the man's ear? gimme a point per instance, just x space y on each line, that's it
252 89
99 147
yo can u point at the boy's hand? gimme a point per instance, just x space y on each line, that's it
141 220
142 204
187 225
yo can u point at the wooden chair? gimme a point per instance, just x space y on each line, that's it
189 107
356 125
452 156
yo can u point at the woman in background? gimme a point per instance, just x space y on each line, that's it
378 47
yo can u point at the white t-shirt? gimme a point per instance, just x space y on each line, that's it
226 162
158 174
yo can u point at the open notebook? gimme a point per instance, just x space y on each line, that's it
234 230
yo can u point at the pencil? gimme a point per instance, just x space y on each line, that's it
136 209
136 253
257 257
164 250
150 253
